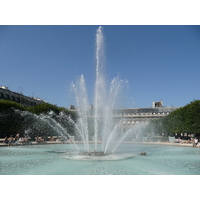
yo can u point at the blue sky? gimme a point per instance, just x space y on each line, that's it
160 62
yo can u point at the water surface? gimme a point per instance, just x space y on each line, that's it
50 160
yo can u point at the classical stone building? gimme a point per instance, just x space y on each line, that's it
140 116
131 116
6 94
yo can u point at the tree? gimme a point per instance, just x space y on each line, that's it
15 118
184 120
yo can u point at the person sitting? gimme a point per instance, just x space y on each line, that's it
10 140
42 140
178 140
25 140
185 141
20 141
16 140
62 139
37 139
188 142
6 140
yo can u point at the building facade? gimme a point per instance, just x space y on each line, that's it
26 101
133 116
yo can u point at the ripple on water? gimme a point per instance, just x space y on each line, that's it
98 158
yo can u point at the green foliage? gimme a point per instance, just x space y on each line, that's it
7 105
183 120
44 108
12 122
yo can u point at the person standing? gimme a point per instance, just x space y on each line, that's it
195 142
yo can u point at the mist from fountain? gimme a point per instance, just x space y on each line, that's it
38 123
106 132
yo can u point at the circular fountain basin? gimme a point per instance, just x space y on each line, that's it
54 160
97 156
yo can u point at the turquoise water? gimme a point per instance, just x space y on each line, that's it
49 160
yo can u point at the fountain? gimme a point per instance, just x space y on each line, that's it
100 132
97 121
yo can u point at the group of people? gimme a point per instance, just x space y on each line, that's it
62 139
15 140
40 140
193 141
